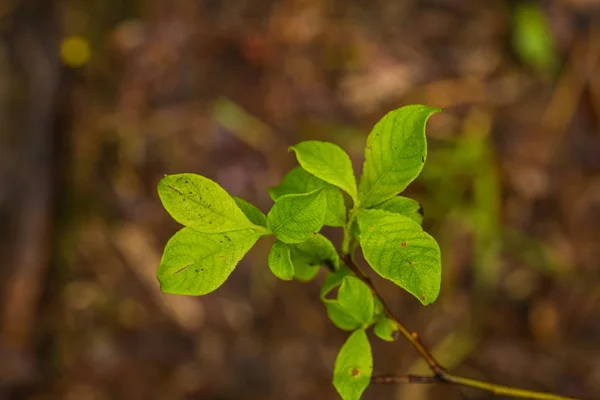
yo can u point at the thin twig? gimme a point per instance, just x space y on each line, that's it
440 374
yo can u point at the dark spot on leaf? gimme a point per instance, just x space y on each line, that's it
355 372
197 270
182 269
411 263
228 238
421 210
422 158
403 244
395 335
423 297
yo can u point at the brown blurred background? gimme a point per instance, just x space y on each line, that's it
99 99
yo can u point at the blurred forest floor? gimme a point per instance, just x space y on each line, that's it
511 189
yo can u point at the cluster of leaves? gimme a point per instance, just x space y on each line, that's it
220 229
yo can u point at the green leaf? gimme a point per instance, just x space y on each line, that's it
403 205
304 272
310 255
533 40
328 162
353 366
255 216
299 181
333 280
386 329
280 261
397 249
318 250
357 299
395 153
295 218
340 317
196 263
200 203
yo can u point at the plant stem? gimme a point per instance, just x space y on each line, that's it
440 374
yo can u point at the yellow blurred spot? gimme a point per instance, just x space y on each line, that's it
75 51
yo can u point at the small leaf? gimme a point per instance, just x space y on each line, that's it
196 263
310 255
403 205
304 272
318 250
255 216
395 153
386 329
280 261
295 218
328 162
200 203
299 181
356 297
397 249
340 317
333 280
353 366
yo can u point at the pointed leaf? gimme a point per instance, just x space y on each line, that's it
357 299
328 162
295 218
403 205
299 181
397 249
200 203
353 366
255 216
196 263
395 153
386 329
280 261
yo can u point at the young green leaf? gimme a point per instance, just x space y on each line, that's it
403 205
280 261
200 203
196 263
304 272
353 366
310 255
251 211
333 280
299 181
397 249
295 218
328 162
386 329
395 154
318 250
354 306
340 317
357 299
